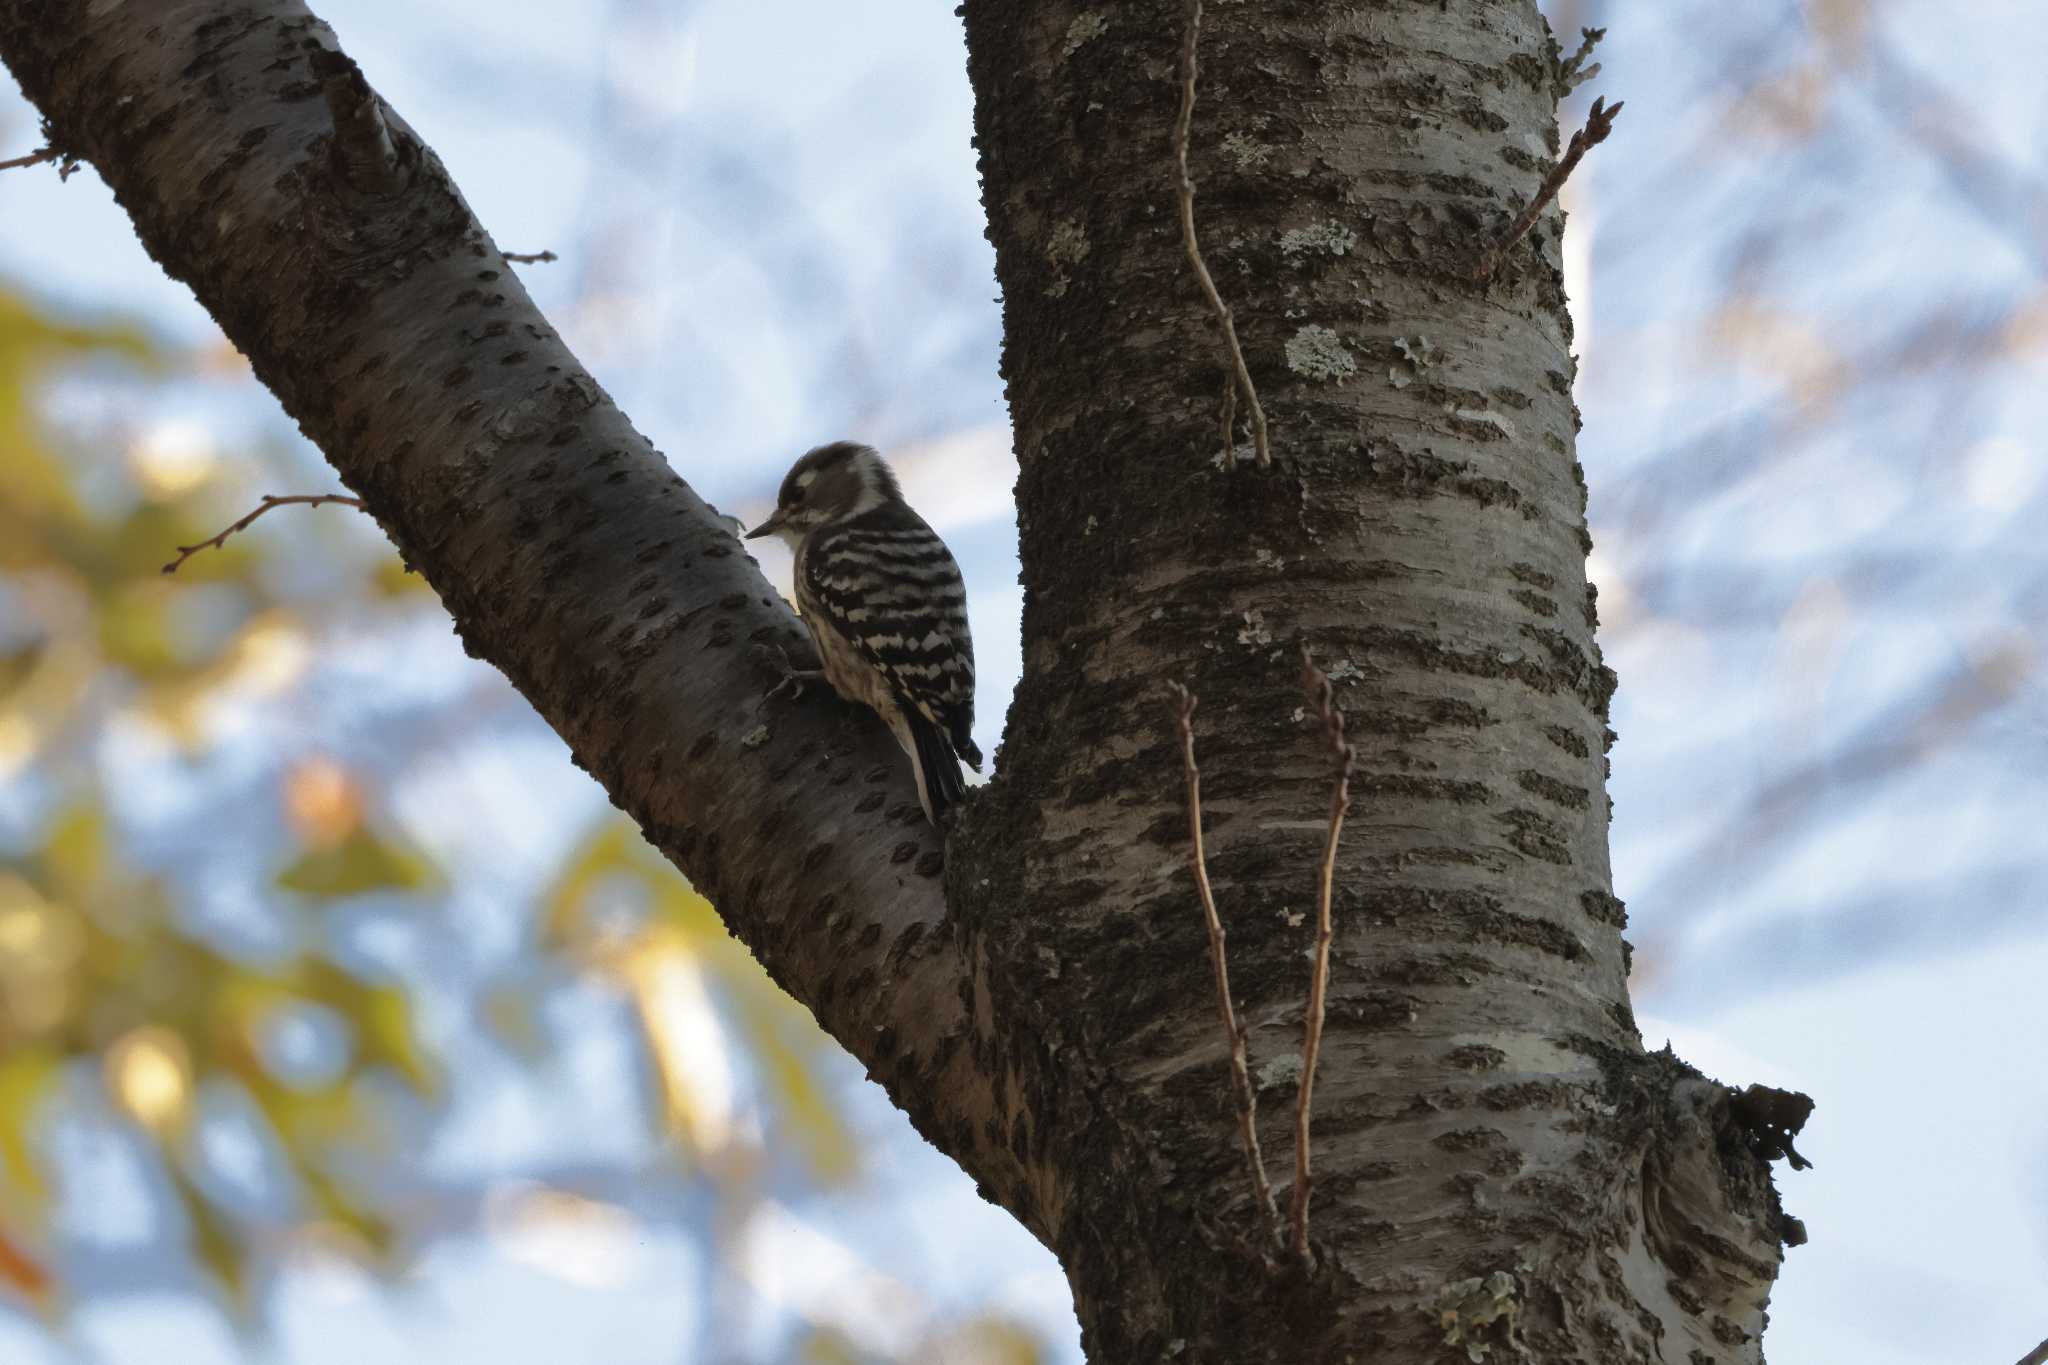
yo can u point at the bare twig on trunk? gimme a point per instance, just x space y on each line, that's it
1185 185
1573 71
1599 123
34 158
1320 696
529 257
270 500
1240 1067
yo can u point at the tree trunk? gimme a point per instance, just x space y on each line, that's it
1501 1171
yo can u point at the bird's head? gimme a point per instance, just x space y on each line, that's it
831 483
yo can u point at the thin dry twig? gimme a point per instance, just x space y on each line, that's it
1321 697
34 158
1261 447
1599 123
65 164
1240 1067
270 500
2037 1356
1573 71
529 258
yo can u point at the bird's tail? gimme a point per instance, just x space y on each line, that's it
939 784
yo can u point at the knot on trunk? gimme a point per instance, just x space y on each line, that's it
1712 1222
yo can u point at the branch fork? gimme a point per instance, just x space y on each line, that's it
1321 698
270 500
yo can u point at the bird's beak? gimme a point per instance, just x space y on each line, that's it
768 527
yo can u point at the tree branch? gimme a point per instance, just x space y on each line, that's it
34 158
1185 185
1233 1030
565 548
270 500
1599 123
1321 697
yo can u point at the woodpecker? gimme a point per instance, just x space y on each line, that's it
886 608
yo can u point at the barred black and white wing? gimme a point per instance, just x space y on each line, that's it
887 587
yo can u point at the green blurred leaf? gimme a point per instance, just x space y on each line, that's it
361 862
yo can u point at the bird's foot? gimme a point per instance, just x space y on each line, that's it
792 679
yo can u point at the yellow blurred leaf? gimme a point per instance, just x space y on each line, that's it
393 579
28 1075
369 1236
74 855
310 1120
384 1027
360 863
380 1015
135 631
149 1074
786 1042
991 1341
679 905
605 852
828 1346
214 1239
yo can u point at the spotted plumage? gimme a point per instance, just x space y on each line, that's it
886 607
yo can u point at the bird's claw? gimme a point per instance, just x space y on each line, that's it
793 679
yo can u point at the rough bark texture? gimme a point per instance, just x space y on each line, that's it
1499 1163
1504 1174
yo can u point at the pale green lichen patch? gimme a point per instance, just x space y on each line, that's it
1478 1314
1330 238
1282 1070
1316 352
1086 28
1248 152
1067 246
